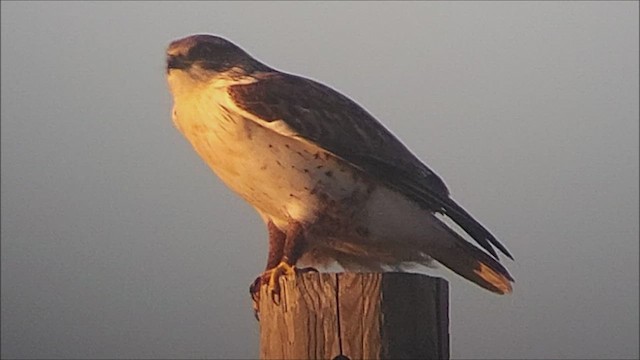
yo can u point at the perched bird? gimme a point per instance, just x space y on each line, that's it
329 181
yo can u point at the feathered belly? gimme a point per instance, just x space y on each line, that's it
346 216
282 177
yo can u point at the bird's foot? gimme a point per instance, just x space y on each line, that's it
271 278
283 269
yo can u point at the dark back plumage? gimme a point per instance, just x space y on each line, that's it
333 121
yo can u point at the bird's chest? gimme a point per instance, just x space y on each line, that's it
281 176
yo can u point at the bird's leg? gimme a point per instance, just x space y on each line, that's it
284 251
293 248
276 246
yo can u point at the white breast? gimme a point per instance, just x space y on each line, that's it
282 176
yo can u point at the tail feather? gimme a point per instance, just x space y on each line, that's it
478 232
482 270
473 264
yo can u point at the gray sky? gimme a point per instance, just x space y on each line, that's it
117 240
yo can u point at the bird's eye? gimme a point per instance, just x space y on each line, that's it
177 62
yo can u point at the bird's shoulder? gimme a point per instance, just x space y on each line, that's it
308 109
320 114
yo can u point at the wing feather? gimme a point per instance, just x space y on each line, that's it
317 113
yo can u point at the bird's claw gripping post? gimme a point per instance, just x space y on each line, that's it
274 280
271 278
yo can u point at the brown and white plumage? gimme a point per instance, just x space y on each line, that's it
328 179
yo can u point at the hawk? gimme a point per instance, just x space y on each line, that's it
330 182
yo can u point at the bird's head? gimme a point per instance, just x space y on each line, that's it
205 59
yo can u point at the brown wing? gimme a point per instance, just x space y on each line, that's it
322 115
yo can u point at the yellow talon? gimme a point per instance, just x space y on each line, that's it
271 278
274 279
282 269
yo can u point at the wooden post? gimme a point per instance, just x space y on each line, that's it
356 315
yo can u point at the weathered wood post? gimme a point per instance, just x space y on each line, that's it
357 316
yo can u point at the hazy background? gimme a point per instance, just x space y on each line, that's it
118 242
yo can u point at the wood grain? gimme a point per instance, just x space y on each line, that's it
358 315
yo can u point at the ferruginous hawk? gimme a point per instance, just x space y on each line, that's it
330 182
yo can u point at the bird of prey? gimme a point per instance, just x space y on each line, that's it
330 182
